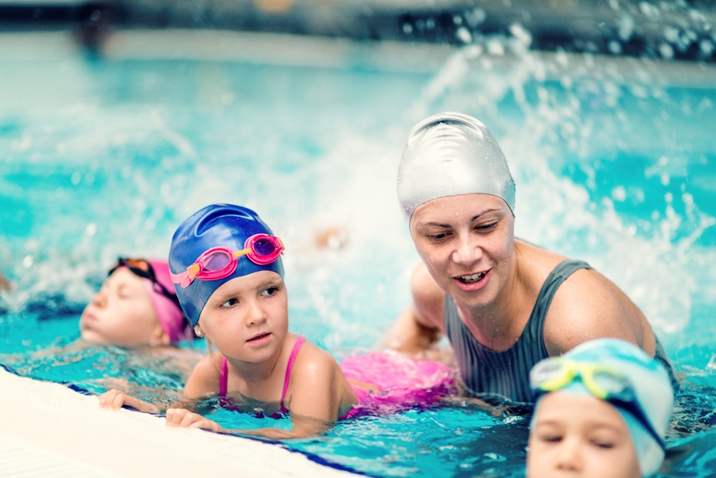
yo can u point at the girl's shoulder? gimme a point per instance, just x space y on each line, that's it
312 359
206 376
210 364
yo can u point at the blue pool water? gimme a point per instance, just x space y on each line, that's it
614 159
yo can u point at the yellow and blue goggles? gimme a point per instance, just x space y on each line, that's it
600 381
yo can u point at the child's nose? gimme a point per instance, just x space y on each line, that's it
255 314
569 455
100 298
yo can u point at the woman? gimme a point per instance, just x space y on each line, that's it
504 304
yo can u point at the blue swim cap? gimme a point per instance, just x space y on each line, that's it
217 225
647 379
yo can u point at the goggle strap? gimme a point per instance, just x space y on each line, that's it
242 252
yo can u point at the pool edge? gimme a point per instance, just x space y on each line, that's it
50 421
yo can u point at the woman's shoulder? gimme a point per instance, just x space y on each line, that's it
537 256
535 263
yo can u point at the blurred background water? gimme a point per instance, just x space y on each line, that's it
119 119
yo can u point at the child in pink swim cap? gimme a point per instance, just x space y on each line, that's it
227 270
136 306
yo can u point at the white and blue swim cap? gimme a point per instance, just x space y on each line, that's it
449 154
650 397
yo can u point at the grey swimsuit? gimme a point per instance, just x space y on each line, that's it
505 375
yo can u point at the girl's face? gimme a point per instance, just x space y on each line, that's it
247 317
580 436
121 313
467 243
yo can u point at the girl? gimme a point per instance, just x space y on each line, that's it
228 274
602 410
135 307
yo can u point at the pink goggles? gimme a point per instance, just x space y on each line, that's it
220 262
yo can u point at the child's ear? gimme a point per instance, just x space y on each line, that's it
198 331
159 337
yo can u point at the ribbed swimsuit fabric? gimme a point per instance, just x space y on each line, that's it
286 379
505 375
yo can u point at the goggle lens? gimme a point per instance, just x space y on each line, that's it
264 247
217 261
612 385
545 372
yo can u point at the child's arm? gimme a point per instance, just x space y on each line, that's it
204 380
317 394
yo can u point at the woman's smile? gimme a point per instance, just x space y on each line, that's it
473 282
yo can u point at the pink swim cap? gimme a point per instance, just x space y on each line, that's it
169 314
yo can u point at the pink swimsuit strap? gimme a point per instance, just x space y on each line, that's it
287 378
224 378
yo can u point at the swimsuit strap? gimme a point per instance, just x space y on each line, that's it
287 378
556 277
485 372
224 378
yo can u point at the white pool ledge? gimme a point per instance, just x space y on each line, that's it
49 430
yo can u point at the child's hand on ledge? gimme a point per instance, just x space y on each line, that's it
115 399
183 418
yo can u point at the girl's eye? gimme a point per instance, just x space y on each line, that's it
229 303
269 291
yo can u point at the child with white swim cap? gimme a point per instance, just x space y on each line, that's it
136 306
602 409
227 270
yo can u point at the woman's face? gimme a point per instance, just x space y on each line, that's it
467 244
579 436
247 317
121 313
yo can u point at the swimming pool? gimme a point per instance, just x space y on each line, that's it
614 161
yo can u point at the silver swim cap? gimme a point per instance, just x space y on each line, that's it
449 154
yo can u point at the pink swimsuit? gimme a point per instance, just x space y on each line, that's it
225 374
403 383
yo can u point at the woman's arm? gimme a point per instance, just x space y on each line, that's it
421 324
589 306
